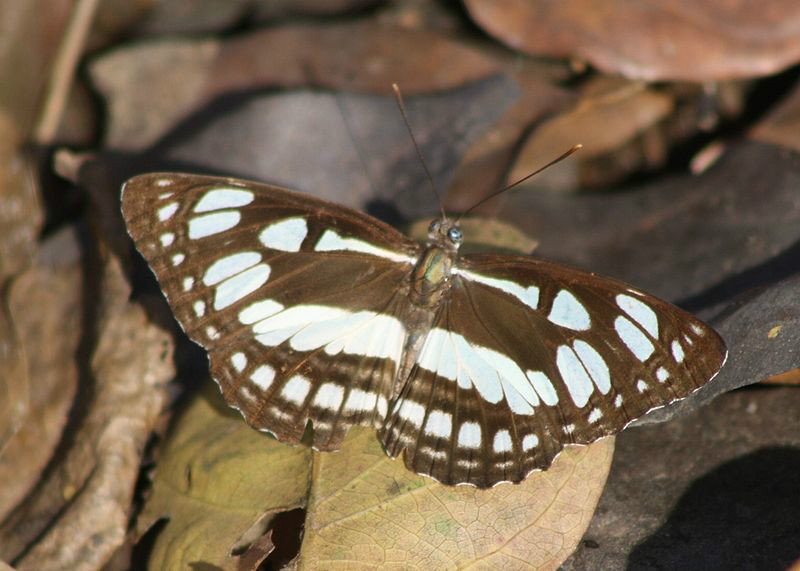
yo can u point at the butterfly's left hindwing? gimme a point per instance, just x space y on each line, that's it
527 356
295 299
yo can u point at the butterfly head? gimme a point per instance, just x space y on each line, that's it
445 234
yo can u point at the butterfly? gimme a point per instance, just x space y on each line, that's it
479 368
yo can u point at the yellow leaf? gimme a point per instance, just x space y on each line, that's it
216 479
367 511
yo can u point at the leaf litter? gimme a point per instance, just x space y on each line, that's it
172 107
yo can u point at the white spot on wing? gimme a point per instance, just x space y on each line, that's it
331 242
578 382
166 212
259 310
360 400
633 337
167 239
296 389
469 435
212 332
493 374
530 441
178 259
220 198
263 376
188 283
310 327
199 307
595 415
568 312
209 224
641 386
330 396
286 235
412 412
439 424
677 351
527 295
544 388
618 401
235 288
502 442
230 266
640 312
594 364
239 361
437 454
662 374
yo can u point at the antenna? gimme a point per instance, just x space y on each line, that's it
399 97
520 181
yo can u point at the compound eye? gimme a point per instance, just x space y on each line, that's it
455 235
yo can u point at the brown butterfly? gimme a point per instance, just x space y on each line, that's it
480 367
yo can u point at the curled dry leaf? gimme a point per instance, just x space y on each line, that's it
183 76
608 124
366 511
676 39
78 515
217 479
44 372
485 164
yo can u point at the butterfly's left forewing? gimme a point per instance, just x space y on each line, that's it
527 356
297 300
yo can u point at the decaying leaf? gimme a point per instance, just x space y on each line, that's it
485 165
183 76
217 479
45 373
368 512
605 123
675 39
78 514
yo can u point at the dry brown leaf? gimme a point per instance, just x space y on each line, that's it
603 122
367 511
44 317
78 515
484 167
185 75
675 39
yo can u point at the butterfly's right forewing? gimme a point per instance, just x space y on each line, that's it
298 301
